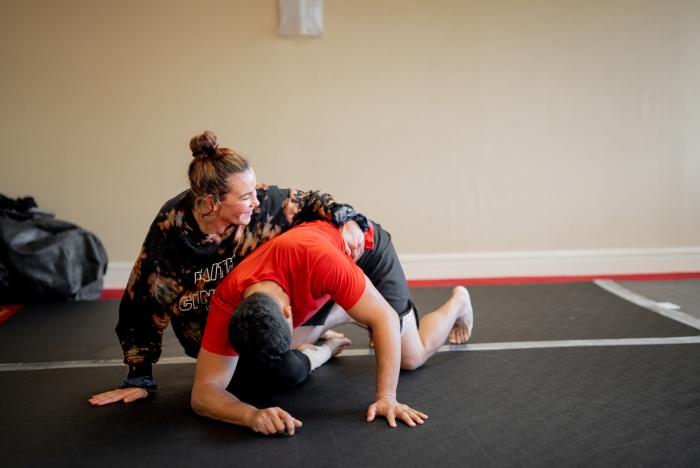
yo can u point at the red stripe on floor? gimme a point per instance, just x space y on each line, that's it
430 283
8 310
112 294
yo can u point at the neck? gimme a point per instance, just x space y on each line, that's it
211 224
268 287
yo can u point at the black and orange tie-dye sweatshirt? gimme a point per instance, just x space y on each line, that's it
178 269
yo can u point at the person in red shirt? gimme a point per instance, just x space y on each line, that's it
281 287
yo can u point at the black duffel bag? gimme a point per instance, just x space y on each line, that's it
42 258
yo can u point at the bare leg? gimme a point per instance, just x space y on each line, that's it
331 334
417 345
311 334
337 344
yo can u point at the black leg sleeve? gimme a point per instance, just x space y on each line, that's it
293 369
251 378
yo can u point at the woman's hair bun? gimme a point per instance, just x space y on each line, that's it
204 144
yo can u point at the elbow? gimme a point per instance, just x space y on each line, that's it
196 402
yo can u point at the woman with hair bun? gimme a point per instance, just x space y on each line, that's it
196 238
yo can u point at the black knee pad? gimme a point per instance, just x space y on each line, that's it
253 380
293 369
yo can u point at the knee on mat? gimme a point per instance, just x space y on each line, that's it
412 362
293 369
291 379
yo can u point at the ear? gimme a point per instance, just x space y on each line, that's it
287 311
211 202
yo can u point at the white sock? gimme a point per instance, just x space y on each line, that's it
318 355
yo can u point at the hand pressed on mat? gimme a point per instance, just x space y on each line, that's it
391 409
127 395
273 421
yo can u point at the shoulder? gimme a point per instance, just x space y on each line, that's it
318 241
273 202
182 200
326 234
271 195
173 211
165 230
265 191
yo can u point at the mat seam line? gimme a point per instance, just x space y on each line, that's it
502 346
649 304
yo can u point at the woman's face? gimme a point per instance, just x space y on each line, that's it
238 204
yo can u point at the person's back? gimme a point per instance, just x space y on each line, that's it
308 262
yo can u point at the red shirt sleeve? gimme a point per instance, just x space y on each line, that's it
216 332
369 237
337 275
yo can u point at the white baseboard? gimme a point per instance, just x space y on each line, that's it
518 264
117 275
551 263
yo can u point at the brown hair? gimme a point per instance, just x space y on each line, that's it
211 166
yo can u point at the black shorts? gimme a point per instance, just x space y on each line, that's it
382 267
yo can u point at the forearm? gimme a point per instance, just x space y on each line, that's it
387 346
209 395
140 333
139 359
211 401
373 311
321 205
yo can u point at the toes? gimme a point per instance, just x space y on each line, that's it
459 334
453 337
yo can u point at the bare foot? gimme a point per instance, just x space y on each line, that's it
328 334
462 329
336 345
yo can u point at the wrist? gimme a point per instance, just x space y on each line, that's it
361 221
384 396
146 382
249 413
346 213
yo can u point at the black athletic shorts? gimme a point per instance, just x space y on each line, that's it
382 267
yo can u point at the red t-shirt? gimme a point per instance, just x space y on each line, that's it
308 262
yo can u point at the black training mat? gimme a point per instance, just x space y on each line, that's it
539 312
68 331
567 311
614 406
546 312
